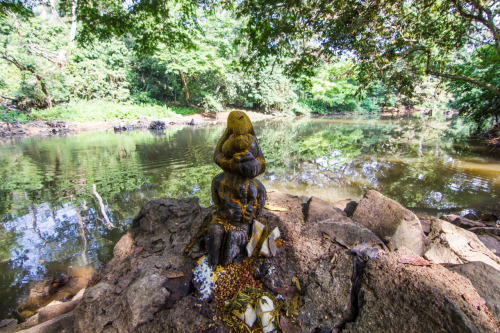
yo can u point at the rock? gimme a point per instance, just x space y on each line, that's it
52 311
462 222
335 275
366 251
348 206
122 126
30 322
449 218
485 279
124 246
426 225
347 233
273 248
48 286
453 245
137 293
328 292
467 223
78 295
492 243
398 297
61 324
8 326
157 125
492 231
391 222
317 210
471 216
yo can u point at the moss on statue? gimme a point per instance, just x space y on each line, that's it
238 197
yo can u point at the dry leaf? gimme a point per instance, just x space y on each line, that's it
413 260
172 274
275 208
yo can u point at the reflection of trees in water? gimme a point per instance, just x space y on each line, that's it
47 240
407 160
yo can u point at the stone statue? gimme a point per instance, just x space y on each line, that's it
238 197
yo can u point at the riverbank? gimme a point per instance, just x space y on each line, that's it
40 128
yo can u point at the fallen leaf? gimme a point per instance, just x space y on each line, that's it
172 274
275 208
413 260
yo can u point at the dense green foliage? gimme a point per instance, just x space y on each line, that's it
288 56
395 42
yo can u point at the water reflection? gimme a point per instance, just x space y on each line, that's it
50 220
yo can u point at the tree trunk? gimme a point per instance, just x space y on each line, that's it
44 89
23 67
184 85
72 34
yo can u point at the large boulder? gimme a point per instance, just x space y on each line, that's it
394 224
346 233
61 324
485 279
491 242
317 255
400 293
53 311
317 210
453 245
148 275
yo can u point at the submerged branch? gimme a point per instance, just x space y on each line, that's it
107 222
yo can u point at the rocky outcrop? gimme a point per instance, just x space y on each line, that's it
394 224
453 245
317 210
399 297
485 279
136 292
339 274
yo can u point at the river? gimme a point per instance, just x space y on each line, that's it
50 220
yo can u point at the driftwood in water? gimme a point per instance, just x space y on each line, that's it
108 223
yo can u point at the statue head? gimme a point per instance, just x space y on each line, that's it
238 123
238 150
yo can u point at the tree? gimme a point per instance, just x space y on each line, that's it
395 41
31 47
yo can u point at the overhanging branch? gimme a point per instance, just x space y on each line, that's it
457 77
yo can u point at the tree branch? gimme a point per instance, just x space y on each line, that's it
457 77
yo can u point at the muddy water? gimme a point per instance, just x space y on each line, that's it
51 223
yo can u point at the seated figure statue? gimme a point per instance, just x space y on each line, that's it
237 196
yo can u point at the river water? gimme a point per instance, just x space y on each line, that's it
50 221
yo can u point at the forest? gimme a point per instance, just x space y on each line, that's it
100 60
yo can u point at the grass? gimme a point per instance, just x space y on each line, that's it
83 111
